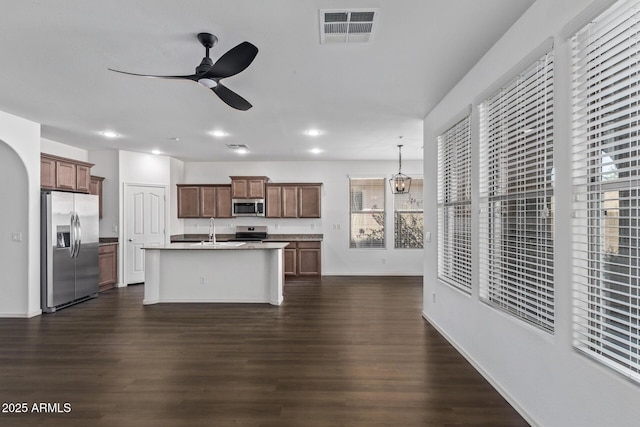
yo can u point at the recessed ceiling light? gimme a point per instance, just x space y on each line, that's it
219 133
242 151
312 132
109 134
175 138
156 152
316 150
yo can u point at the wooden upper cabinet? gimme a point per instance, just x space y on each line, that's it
223 201
273 200
47 173
208 202
83 178
204 201
66 175
95 187
289 201
293 200
188 201
60 173
309 197
248 187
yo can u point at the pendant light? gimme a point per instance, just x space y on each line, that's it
400 183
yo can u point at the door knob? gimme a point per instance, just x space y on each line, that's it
131 239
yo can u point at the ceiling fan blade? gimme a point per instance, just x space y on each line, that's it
231 98
233 62
194 77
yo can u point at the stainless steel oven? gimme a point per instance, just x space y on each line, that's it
248 207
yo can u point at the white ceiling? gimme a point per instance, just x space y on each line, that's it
363 97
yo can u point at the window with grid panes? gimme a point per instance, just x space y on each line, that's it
407 217
606 185
454 205
516 196
366 211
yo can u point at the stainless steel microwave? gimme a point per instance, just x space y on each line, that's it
248 207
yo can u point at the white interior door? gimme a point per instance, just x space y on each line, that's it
144 226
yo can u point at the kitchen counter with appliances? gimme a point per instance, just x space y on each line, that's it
186 238
223 272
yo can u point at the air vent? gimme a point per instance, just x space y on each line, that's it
347 26
238 148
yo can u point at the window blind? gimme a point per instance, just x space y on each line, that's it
408 217
454 205
606 185
516 196
367 213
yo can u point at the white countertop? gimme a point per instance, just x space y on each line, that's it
220 246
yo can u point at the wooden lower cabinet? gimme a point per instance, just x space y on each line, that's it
303 259
107 266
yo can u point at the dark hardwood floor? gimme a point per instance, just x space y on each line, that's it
344 351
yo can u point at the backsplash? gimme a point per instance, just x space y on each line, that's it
274 226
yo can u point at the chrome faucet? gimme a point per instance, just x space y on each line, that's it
212 230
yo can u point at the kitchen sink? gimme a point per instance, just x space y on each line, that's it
218 244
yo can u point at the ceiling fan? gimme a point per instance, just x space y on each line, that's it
209 74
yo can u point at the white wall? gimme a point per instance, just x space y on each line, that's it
176 225
20 212
337 258
106 165
63 150
141 168
540 374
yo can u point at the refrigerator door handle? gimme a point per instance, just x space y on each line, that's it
79 235
72 237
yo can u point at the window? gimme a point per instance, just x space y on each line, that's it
367 213
407 217
606 177
516 196
454 205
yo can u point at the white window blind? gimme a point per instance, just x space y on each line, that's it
408 217
367 214
454 205
516 196
606 185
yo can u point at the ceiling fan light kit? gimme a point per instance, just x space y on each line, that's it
400 183
209 74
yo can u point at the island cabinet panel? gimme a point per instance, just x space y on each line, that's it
273 201
309 197
309 258
95 187
248 187
107 266
47 173
188 201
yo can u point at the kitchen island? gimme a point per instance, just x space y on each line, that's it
225 272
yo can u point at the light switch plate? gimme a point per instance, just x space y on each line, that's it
16 236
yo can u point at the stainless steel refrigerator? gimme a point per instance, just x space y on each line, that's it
69 248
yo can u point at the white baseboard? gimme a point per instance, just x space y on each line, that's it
495 384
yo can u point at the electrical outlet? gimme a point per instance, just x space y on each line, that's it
434 297
427 236
114 228
313 226
202 280
16 236
383 260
